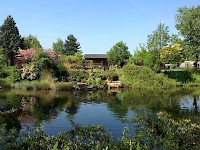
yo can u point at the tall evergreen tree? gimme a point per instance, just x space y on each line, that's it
71 45
10 39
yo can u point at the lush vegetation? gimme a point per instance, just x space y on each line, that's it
25 65
118 54
23 61
144 77
159 132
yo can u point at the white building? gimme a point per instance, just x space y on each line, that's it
189 64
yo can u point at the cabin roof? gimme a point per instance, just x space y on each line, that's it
95 56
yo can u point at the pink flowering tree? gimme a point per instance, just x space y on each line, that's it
27 54
52 55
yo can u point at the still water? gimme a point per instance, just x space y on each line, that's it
108 108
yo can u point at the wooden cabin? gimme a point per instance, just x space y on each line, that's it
99 60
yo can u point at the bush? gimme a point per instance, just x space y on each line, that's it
94 81
155 132
110 75
61 72
183 76
12 75
77 75
143 77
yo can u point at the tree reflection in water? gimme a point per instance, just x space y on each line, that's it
37 106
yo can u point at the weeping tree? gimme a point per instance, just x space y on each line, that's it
10 39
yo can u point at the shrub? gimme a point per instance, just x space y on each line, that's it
60 72
64 86
94 81
183 76
77 75
143 77
12 74
155 132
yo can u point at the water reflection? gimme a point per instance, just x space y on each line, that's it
51 108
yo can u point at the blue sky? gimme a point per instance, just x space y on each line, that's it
97 24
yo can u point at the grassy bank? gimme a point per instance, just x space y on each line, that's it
186 77
39 85
145 78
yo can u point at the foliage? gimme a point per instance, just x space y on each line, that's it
183 76
78 57
156 41
7 138
60 72
143 77
52 55
77 75
156 132
71 46
3 59
173 134
94 81
171 54
10 75
31 42
9 38
187 22
142 57
34 85
58 46
60 86
159 38
118 54
41 61
29 72
27 55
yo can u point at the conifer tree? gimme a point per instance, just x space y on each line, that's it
71 45
10 39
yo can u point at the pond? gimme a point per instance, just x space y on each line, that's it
108 108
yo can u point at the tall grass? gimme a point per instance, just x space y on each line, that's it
60 86
33 85
43 85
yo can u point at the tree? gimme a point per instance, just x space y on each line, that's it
156 41
188 24
10 39
159 38
58 46
71 46
118 54
27 55
31 42
142 57
2 59
171 54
